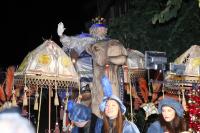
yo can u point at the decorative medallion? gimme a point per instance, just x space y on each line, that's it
44 59
65 61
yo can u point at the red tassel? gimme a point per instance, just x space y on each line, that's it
107 67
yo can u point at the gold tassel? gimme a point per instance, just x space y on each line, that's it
14 103
36 101
36 104
25 101
184 103
17 92
56 101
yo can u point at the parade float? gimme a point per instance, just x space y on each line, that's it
47 68
97 54
183 79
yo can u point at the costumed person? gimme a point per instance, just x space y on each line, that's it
80 116
82 61
171 118
113 111
98 29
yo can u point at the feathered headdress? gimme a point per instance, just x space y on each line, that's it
9 81
107 89
7 86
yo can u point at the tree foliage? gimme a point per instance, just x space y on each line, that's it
169 12
175 36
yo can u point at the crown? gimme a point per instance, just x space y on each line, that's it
98 22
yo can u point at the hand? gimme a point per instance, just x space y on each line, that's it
60 29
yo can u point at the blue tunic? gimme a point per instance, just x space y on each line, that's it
155 128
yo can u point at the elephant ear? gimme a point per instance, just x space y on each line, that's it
107 88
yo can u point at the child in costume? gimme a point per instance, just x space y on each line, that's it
113 111
80 116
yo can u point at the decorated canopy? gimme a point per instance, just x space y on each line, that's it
135 63
135 59
191 58
48 61
185 70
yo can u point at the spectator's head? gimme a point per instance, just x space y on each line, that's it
169 107
13 122
79 114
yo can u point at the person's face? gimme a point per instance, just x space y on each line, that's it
101 31
112 109
168 113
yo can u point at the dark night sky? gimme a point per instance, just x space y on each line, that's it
29 22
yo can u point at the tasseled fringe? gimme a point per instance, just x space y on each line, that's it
17 92
25 100
57 129
14 103
36 100
61 112
36 104
56 101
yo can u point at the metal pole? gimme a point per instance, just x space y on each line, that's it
39 110
50 109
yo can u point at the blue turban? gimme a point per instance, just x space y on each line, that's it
98 25
83 35
173 104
